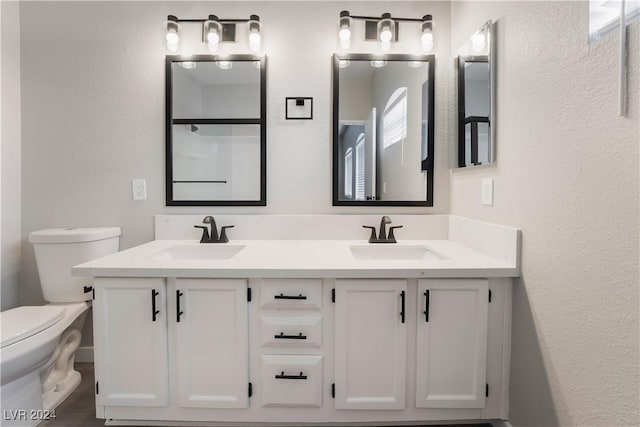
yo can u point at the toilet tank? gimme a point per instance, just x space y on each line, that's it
59 249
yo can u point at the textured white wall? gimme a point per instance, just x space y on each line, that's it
93 110
11 240
567 175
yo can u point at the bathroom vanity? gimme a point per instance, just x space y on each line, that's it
307 331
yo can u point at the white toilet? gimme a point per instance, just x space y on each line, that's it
38 344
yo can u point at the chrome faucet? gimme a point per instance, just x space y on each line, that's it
212 237
382 236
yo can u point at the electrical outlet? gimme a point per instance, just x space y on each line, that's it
487 191
139 189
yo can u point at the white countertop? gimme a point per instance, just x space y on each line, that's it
297 258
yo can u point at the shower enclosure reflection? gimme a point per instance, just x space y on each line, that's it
216 130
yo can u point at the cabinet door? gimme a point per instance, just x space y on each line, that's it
370 344
211 340
130 342
452 343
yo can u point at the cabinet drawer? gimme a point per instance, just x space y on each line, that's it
291 380
291 331
298 294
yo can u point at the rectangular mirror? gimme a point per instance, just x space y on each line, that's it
215 130
383 130
476 99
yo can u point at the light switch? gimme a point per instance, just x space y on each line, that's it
487 191
139 189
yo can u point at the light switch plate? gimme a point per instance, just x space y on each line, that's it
139 189
487 191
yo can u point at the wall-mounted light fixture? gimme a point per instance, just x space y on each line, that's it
386 29
216 31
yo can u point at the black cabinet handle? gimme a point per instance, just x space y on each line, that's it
402 309
178 312
282 336
87 289
426 305
282 376
281 296
154 312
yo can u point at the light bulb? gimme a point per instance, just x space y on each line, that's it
213 37
385 35
213 47
385 45
345 34
172 37
426 38
426 47
255 37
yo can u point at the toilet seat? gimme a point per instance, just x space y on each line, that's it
22 322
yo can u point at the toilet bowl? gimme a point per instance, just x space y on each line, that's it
38 343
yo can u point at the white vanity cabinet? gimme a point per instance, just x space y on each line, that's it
209 331
175 343
451 343
370 344
301 351
130 342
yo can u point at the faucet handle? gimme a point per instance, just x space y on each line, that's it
205 233
223 233
373 233
391 237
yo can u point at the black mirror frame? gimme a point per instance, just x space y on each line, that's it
491 59
427 164
463 120
169 121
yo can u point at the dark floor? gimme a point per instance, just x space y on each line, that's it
79 409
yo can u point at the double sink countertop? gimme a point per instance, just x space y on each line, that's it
298 258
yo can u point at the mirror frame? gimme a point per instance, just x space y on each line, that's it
427 165
170 121
490 59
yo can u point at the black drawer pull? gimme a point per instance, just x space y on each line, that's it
402 310
281 296
154 312
178 312
282 376
282 336
426 305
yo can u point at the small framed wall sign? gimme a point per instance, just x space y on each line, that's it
299 108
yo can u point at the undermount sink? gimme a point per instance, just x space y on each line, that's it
392 252
201 252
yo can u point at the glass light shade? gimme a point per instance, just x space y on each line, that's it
386 28
255 38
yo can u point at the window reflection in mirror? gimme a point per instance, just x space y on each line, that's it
216 132
476 112
383 130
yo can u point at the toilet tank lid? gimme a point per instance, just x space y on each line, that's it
22 322
73 235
